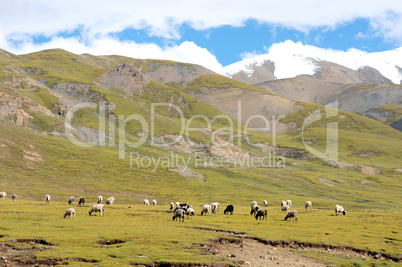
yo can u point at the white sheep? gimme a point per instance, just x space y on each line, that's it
217 206
69 212
206 209
253 203
285 208
307 206
14 197
265 203
110 201
97 208
291 214
283 202
3 195
100 199
339 209
171 205
214 206
289 203
154 202
178 205
254 209
178 213
146 202
189 212
47 198
71 200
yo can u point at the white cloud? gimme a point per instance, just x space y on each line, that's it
163 17
247 55
21 20
389 25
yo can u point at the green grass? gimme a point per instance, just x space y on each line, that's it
43 97
218 81
149 234
69 170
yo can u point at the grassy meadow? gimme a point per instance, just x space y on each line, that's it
62 169
148 234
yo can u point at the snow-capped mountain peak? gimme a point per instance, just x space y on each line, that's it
289 59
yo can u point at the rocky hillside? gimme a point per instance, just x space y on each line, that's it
38 90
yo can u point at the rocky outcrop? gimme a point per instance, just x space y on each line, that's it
391 117
73 93
379 114
371 75
174 73
11 109
286 152
125 78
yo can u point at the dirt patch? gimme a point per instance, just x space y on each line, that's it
347 166
32 156
110 242
325 181
370 170
253 251
247 250
366 169
177 264
35 241
21 252
188 173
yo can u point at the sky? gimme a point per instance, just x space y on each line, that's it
211 33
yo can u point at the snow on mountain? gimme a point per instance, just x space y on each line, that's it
292 59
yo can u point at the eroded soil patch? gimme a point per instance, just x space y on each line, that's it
243 249
21 252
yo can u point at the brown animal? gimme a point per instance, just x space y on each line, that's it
261 213
82 201
291 214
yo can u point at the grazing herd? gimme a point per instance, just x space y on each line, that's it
183 209
262 214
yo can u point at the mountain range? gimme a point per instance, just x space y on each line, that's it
372 88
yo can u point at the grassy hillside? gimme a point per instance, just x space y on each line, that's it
37 159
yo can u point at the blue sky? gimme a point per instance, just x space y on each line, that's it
209 33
